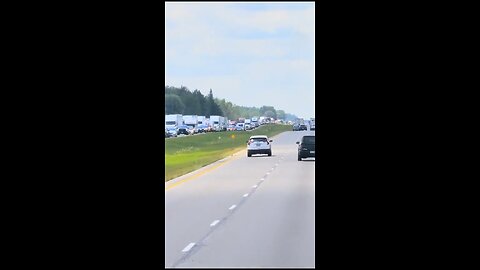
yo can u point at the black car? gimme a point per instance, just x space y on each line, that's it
299 127
306 147
183 130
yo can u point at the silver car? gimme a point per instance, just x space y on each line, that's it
172 131
259 144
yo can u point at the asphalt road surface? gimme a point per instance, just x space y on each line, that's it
244 212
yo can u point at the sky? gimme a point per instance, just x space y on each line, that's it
249 53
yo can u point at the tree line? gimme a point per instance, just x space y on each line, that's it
183 101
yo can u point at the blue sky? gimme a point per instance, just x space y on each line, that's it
251 54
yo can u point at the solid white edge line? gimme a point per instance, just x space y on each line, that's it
255 186
187 248
214 223
245 195
232 207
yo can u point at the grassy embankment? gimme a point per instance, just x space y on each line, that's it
186 154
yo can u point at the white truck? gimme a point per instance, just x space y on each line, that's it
217 122
207 123
191 121
255 122
262 120
225 123
248 124
173 120
202 124
201 120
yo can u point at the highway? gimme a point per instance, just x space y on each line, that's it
244 212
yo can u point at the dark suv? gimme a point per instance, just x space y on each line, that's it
183 130
306 147
299 127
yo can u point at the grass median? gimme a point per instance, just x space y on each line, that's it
189 153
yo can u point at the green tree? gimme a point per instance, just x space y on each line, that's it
269 114
181 100
191 106
264 109
173 104
208 104
200 101
212 107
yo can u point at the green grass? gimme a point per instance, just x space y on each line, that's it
186 154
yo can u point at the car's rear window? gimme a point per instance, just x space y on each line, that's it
258 140
309 139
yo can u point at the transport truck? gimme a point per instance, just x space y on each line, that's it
223 123
255 121
191 121
262 120
248 123
207 123
173 120
201 120
216 122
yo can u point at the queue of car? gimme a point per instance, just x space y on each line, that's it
256 145
177 124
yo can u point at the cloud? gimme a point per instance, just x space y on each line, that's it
207 27
241 49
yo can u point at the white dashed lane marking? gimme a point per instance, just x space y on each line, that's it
214 223
187 248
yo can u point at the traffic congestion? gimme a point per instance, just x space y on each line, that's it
185 125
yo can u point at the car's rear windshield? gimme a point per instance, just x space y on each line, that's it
258 139
309 139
